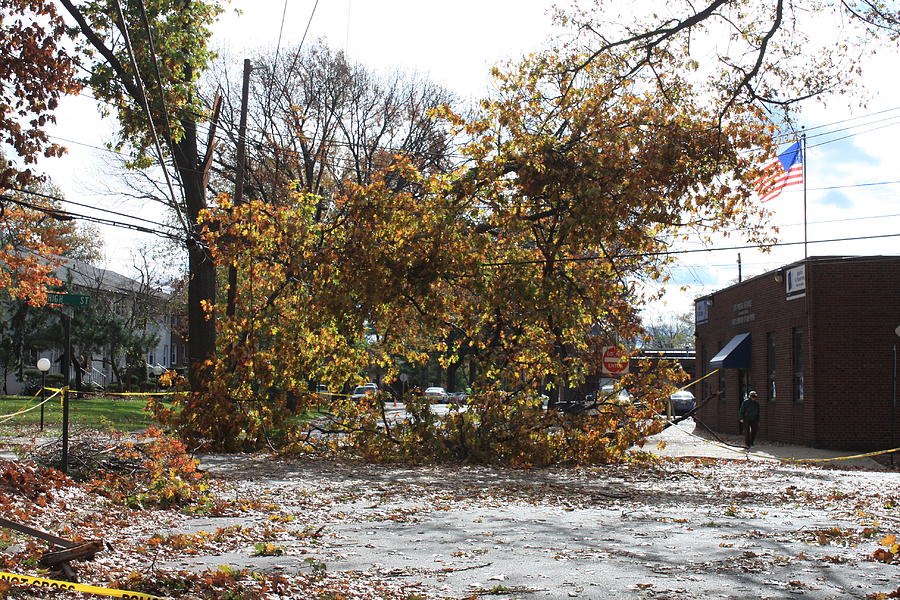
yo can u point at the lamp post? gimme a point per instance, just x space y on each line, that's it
43 366
157 371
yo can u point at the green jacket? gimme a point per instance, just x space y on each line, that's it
749 410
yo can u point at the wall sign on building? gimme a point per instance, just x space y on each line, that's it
701 310
743 313
795 281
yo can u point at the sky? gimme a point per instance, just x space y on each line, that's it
455 44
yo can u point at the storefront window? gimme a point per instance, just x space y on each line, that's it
770 362
798 360
704 385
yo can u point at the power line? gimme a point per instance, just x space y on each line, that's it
302 40
849 119
831 141
139 82
67 214
97 208
169 135
512 263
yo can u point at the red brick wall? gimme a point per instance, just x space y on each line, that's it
849 313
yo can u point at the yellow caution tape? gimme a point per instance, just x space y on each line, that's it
75 587
113 393
5 418
867 454
682 388
789 459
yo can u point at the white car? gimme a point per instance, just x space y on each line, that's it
436 394
360 391
682 402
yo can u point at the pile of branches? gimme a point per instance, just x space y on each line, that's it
90 455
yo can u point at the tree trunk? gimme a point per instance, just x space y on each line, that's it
202 272
452 370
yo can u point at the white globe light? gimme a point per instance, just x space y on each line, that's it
43 364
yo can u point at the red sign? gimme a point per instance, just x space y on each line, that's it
614 361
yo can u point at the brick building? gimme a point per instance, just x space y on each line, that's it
816 339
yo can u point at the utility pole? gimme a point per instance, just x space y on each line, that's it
67 357
739 268
239 180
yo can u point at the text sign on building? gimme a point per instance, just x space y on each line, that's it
614 361
68 299
701 311
795 280
743 313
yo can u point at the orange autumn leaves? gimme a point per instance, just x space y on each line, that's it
520 264
37 71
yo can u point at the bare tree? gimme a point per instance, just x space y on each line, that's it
773 53
318 122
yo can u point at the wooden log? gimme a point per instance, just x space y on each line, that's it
47 537
80 552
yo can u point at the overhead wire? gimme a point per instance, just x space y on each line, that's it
139 82
106 210
162 94
591 258
67 215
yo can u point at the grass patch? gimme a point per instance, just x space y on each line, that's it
119 413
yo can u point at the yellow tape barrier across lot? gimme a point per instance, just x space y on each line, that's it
5 418
783 459
790 459
70 391
53 584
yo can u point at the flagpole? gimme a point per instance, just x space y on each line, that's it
803 159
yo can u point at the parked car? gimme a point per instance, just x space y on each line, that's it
606 398
682 402
361 391
608 394
457 397
436 394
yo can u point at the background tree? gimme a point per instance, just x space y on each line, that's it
770 53
671 331
317 121
36 70
145 61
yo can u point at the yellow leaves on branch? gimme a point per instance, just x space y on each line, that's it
525 262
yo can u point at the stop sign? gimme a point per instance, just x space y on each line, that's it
614 361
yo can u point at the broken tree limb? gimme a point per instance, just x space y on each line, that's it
84 551
47 537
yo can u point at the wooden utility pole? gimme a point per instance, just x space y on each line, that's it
239 180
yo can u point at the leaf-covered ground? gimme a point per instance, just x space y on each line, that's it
313 528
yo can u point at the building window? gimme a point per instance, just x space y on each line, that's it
798 361
770 365
165 352
704 369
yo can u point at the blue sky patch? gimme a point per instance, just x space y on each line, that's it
836 198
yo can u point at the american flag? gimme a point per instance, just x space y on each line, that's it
786 169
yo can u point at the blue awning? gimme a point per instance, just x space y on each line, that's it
734 355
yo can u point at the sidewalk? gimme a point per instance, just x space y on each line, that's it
689 439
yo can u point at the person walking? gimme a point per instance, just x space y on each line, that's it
749 416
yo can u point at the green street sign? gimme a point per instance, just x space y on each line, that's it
68 299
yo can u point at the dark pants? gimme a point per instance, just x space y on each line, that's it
750 432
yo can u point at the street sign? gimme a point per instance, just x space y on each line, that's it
614 361
68 299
